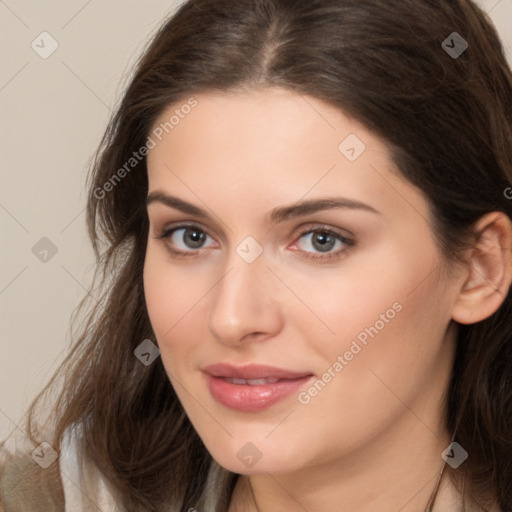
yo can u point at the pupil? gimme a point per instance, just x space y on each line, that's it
323 241
195 238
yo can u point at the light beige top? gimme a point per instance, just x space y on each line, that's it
31 477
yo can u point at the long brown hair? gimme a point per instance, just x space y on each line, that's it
447 119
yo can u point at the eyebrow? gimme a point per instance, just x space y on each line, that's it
276 215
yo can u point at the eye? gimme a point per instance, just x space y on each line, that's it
323 243
185 240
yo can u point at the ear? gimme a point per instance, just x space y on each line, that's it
489 270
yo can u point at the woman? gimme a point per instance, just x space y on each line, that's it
302 215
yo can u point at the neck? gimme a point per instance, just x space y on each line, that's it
398 470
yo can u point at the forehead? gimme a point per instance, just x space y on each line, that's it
264 121
274 146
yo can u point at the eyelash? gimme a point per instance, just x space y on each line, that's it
328 256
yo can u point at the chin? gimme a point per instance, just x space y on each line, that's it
249 458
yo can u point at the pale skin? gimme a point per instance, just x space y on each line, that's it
372 439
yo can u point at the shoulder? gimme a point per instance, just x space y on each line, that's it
38 478
25 484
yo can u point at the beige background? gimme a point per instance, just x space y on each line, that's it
53 113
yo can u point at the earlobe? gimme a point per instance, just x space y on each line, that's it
489 271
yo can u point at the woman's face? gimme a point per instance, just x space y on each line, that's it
306 314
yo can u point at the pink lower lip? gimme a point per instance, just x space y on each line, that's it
244 397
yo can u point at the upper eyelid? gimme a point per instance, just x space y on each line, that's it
315 226
183 225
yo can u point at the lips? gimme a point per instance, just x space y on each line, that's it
253 387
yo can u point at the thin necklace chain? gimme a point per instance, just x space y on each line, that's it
430 503
433 497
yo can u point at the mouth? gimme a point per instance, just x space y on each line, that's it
252 388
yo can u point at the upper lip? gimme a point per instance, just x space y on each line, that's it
252 371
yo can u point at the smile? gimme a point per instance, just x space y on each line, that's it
252 388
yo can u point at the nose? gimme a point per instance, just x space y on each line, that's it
245 303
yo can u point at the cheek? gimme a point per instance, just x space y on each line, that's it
170 298
377 368
352 302
385 320
389 343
